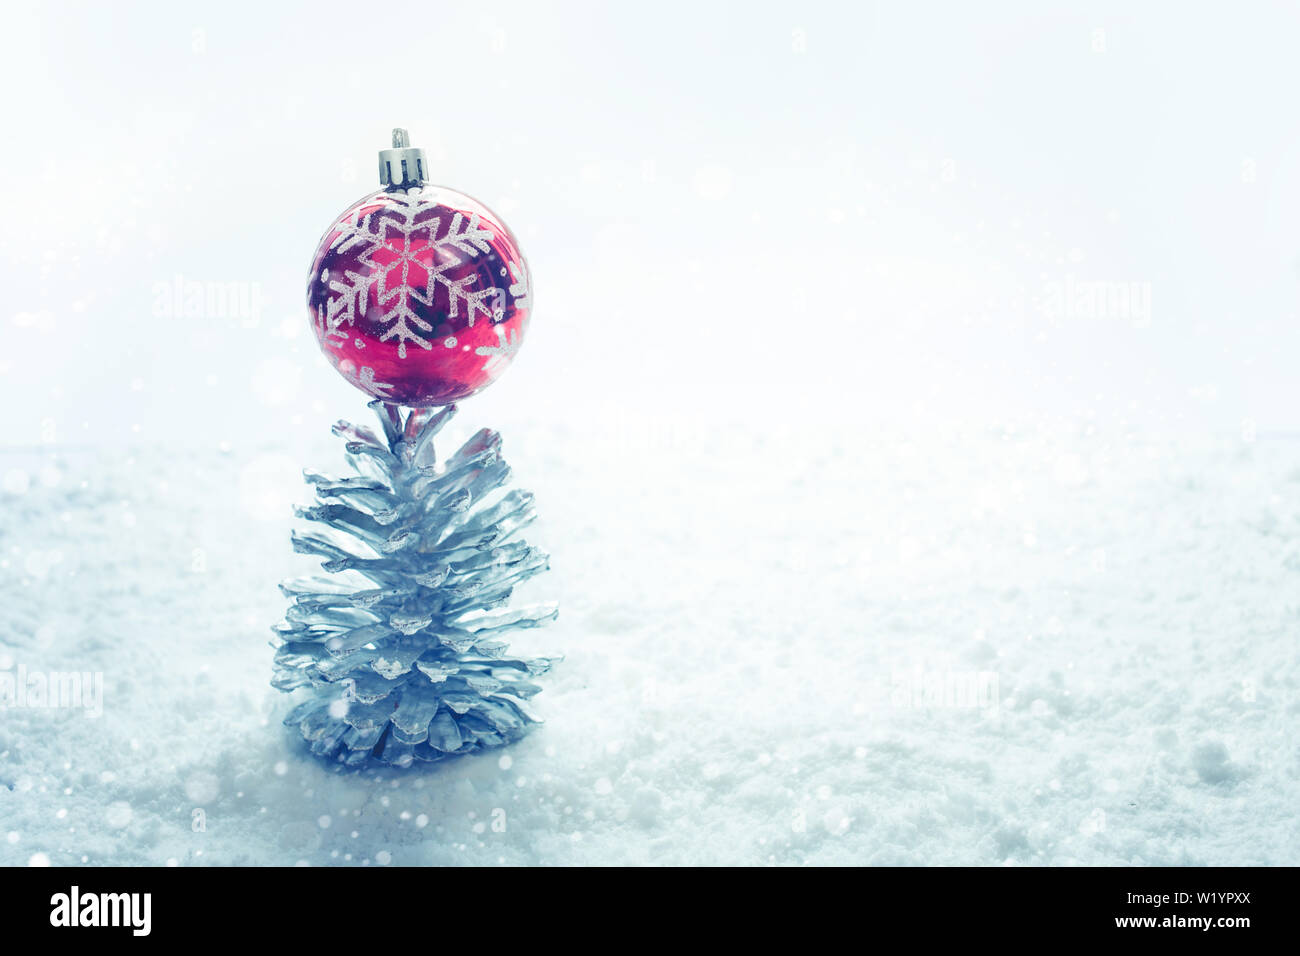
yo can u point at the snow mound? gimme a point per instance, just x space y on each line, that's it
781 648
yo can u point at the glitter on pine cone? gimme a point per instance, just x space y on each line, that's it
400 648
419 296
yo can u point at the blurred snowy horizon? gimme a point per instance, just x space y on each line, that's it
887 216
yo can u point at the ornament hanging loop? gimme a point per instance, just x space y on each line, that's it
402 166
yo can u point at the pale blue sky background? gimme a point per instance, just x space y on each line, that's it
838 212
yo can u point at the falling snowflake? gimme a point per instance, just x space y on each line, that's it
410 254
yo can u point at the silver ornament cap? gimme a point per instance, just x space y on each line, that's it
402 165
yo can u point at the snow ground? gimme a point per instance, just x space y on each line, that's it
751 622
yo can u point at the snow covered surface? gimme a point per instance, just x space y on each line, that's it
759 627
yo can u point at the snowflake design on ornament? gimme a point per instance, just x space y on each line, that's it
506 344
366 377
519 285
410 256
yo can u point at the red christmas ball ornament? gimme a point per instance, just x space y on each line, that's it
418 294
